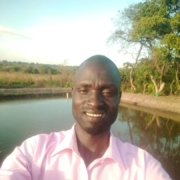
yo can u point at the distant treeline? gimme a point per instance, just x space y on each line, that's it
35 68
21 74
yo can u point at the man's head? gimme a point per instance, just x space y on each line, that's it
96 95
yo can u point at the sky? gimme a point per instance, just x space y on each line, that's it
59 31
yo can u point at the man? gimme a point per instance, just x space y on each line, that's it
88 151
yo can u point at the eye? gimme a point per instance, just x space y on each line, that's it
108 93
83 91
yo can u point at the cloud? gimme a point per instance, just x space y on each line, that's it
12 33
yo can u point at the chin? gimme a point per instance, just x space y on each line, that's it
96 129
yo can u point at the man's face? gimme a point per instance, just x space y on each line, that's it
95 98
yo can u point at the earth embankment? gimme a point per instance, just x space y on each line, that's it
163 103
32 92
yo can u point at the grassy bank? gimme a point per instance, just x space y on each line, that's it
19 79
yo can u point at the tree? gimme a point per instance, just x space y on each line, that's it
154 26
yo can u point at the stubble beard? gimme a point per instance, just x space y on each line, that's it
96 128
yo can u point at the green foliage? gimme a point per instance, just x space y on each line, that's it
154 24
17 69
125 86
29 69
150 89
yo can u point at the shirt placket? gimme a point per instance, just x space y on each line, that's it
82 171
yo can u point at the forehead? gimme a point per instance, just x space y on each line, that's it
97 72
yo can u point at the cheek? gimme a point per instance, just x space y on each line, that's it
76 100
75 108
77 103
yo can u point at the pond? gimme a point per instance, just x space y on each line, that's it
157 132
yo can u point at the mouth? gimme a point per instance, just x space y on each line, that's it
94 114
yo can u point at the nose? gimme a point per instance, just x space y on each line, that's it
95 99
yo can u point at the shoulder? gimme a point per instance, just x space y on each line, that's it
133 153
42 140
34 149
138 159
128 147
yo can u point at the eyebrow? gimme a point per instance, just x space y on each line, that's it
84 85
88 85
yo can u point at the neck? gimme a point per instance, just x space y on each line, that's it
91 147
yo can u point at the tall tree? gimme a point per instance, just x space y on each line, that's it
155 26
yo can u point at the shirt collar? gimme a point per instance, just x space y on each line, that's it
69 142
113 152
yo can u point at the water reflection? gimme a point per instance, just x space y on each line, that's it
158 135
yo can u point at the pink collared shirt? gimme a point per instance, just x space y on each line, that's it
56 157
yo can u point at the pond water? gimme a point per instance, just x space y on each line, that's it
156 132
